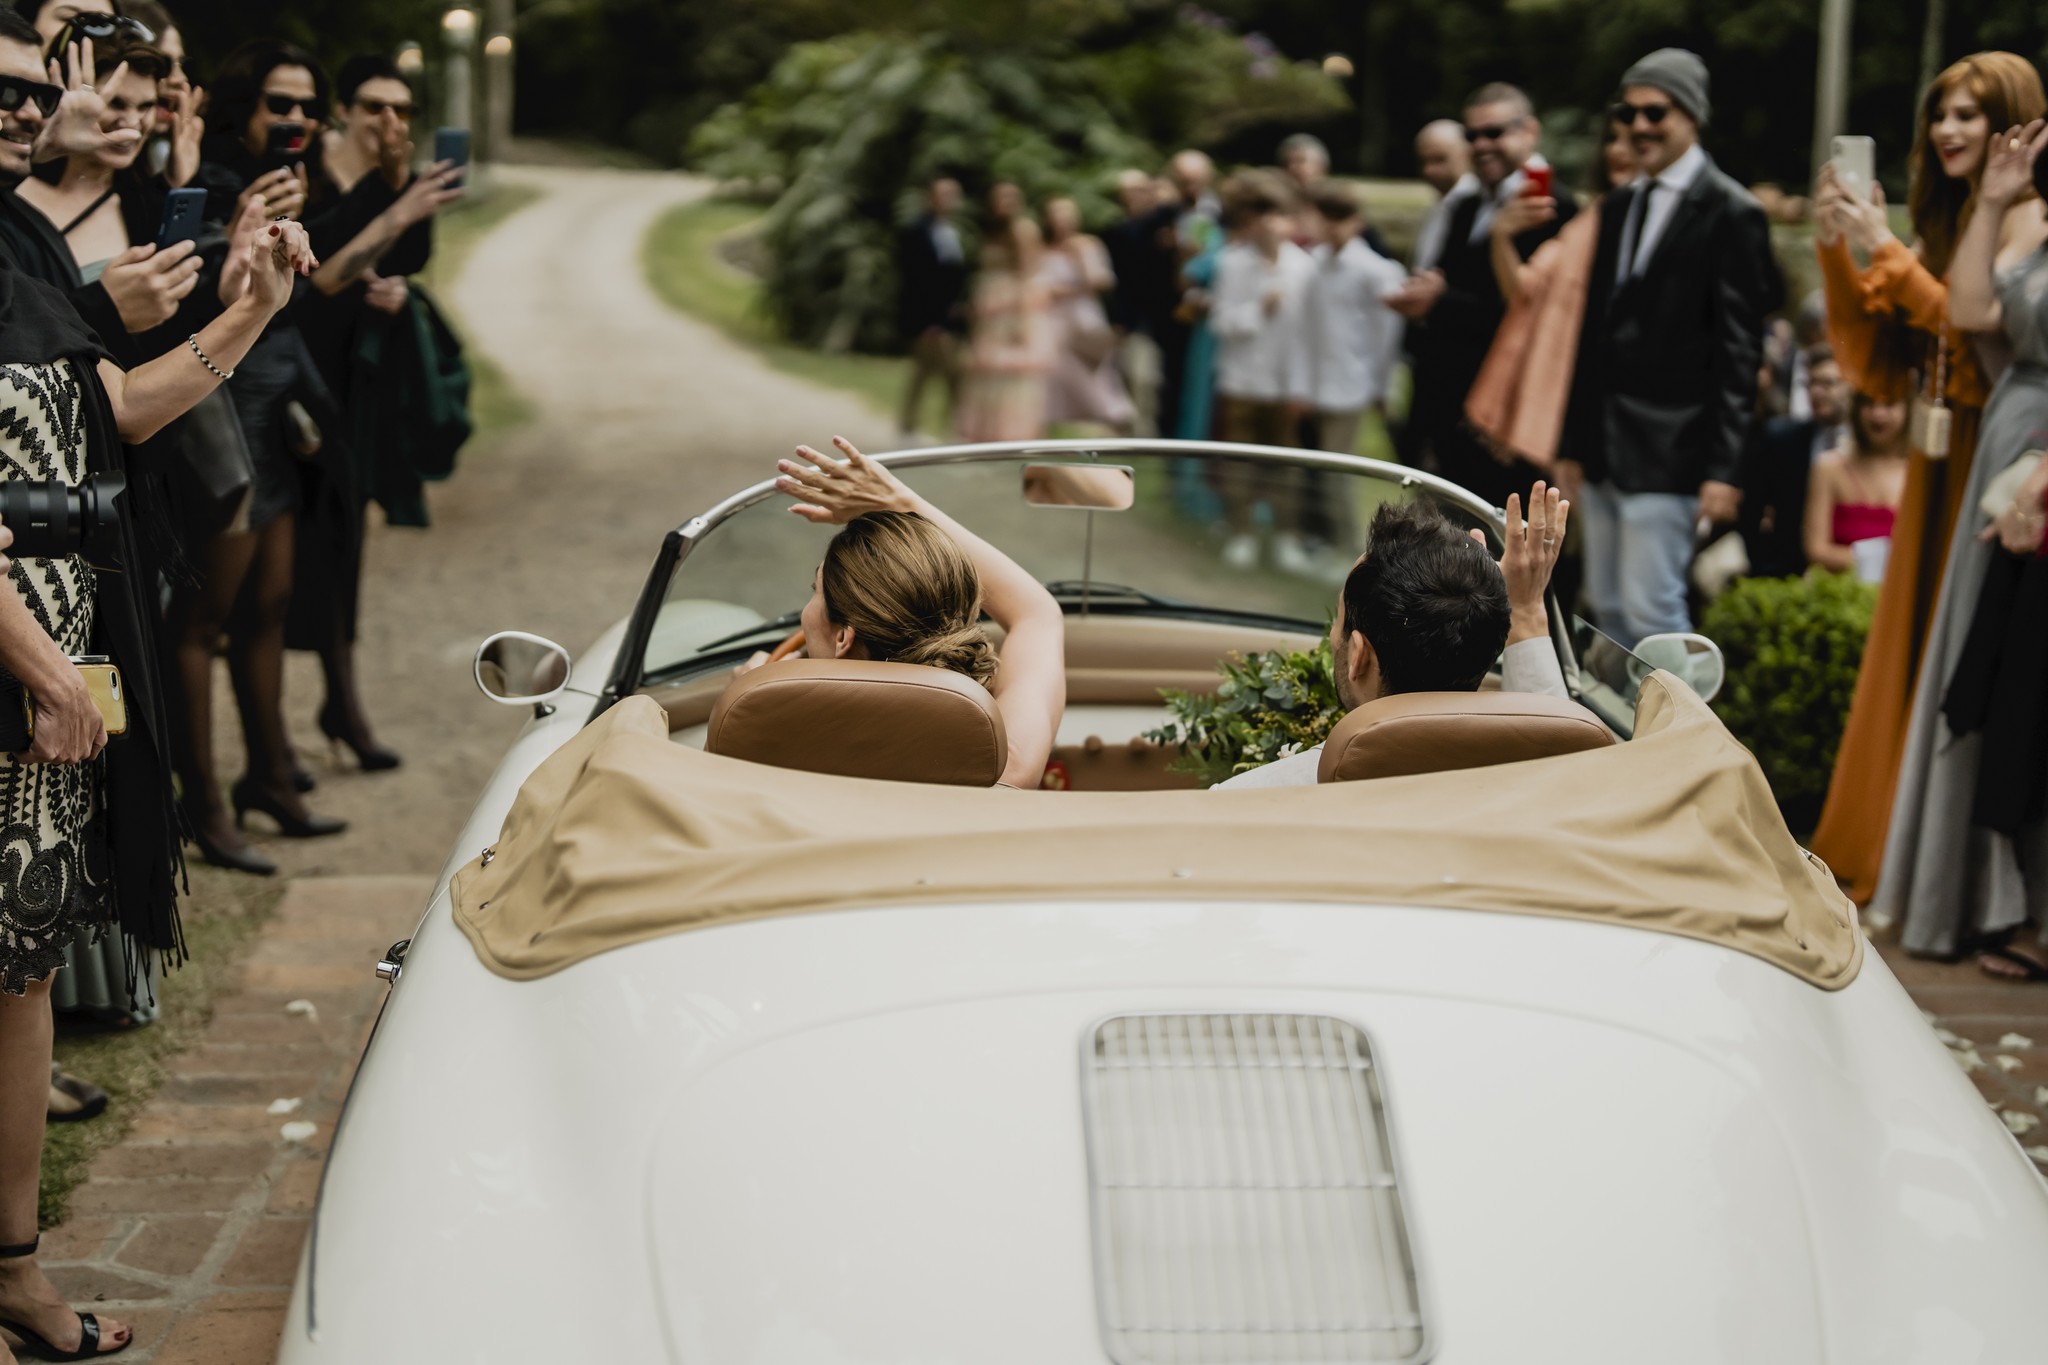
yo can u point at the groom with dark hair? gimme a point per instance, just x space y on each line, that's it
1668 354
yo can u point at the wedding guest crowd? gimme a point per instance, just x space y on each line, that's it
203 292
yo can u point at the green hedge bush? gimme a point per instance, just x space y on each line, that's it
1793 647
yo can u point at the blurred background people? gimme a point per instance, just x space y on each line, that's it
1344 357
1455 308
1255 313
1668 355
1889 326
931 308
370 218
1967 863
1778 466
1444 160
1083 386
1145 258
1010 347
1854 490
281 399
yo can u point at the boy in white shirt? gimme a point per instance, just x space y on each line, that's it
1255 312
1350 340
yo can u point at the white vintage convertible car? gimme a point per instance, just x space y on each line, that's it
704 1053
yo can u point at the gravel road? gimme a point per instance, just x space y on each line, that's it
642 417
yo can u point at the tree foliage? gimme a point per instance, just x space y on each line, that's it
846 131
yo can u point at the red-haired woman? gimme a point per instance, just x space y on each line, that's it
1889 326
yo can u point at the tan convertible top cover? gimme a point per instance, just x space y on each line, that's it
622 835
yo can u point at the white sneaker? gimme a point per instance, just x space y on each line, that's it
1241 551
1292 556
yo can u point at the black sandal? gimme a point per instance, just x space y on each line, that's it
88 1325
2030 970
73 1100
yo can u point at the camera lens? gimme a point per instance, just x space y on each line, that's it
52 520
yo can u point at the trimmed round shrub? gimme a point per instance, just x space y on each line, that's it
1793 647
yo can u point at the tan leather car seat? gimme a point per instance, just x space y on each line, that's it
851 718
1433 732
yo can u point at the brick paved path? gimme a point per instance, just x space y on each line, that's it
190 1228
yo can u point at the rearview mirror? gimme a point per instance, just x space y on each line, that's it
517 669
1094 487
1693 659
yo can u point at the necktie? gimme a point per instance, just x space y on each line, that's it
1639 219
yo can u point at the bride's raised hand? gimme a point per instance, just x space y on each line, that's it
833 492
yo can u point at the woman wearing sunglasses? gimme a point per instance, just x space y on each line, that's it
1889 325
371 219
267 103
91 836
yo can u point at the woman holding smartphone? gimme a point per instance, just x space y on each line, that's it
88 830
1889 325
269 100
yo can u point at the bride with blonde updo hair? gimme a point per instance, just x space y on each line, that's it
905 583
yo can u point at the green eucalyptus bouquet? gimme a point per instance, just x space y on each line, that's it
1268 706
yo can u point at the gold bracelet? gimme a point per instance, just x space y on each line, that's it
218 373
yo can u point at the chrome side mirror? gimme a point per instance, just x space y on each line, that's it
1692 659
513 668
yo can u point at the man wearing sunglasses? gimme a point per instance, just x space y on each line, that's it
1456 307
1668 353
39 121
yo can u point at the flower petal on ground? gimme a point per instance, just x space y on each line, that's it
2016 1040
2005 1061
301 1130
285 1106
305 1007
1968 1060
2019 1121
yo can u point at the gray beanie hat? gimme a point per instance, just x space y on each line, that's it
1679 74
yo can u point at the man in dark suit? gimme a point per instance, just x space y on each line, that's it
1455 307
1778 465
931 275
1668 354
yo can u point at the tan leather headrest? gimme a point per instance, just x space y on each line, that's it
1434 732
850 718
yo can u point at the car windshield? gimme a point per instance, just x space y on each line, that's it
1168 553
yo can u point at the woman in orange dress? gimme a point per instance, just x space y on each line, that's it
1888 324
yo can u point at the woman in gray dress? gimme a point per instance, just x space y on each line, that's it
1956 883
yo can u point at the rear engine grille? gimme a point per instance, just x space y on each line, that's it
1244 1194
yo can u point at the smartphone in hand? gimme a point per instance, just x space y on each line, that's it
452 145
1855 163
184 211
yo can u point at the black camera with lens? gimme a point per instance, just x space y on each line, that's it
52 520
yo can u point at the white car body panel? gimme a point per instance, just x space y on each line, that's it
856 1137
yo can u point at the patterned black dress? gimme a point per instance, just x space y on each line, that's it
55 877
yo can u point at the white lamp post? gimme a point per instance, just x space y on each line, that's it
458 28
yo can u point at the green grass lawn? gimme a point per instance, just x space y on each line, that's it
494 405
221 915
683 264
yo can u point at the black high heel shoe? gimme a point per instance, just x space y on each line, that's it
247 796
236 860
371 757
88 1325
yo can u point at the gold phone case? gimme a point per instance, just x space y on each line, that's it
103 681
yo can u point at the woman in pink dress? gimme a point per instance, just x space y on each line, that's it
1009 349
1084 385
1854 492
